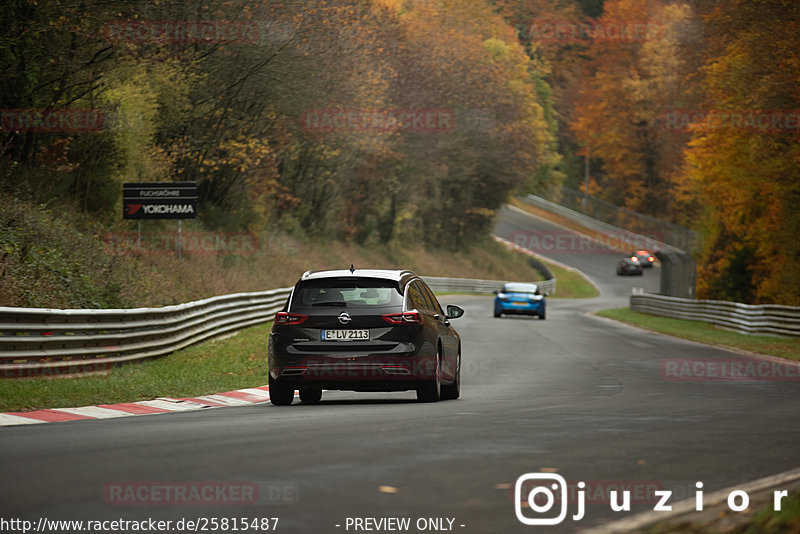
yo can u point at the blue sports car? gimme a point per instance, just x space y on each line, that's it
519 299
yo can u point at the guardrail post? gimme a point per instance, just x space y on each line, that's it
678 274
689 276
668 272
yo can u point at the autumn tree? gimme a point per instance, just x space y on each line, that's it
745 167
633 81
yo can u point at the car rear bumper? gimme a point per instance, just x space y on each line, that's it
527 309
366 372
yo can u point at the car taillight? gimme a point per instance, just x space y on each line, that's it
409 317
290 319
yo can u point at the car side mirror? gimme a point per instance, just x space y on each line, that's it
454 312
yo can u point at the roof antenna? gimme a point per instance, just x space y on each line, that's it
352 269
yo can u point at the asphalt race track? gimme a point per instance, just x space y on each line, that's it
575 394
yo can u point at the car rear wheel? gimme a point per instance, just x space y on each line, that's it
541 316
497 313
280 393
431 390
310 395
453 391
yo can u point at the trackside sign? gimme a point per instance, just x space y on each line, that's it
168 200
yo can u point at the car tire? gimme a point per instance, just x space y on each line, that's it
280 393
453 391
541 316
431 390
310 395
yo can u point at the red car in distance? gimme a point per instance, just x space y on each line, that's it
646 258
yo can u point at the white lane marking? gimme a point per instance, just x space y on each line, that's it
171 406
257 392
222 399
165 403
95 412
8 419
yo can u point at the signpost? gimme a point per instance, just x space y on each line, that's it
162 200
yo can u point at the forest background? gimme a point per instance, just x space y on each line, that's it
390 122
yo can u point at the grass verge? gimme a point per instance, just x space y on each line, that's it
212 367
707 333
786 520
759 520
571 284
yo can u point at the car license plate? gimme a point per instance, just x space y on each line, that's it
345 335
519 303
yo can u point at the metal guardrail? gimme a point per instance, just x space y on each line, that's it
36 341
679 269
41 342
752 319
674 234
480 287
623 239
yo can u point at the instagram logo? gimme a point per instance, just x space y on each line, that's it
541 491
546 494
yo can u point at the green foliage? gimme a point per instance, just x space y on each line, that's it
46 262
592 8
230 115
521 114
769 521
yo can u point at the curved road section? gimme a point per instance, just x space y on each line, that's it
574 398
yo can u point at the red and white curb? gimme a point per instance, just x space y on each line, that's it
239 397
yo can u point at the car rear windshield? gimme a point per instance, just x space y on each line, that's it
520 288
346 292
